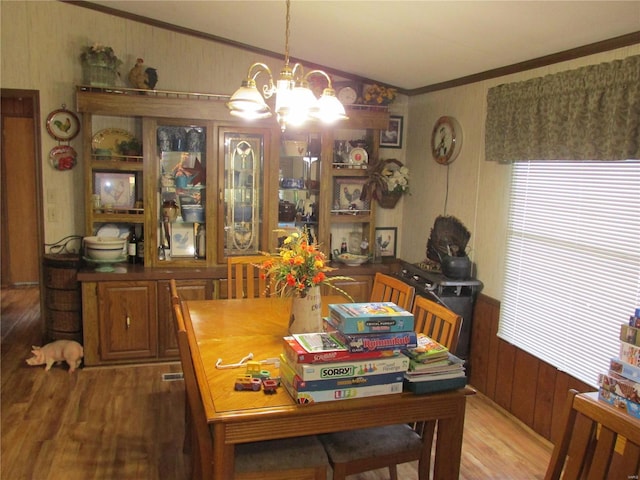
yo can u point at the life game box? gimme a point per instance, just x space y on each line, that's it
361 368
372 317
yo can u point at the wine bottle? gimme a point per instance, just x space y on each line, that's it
132 245
140 248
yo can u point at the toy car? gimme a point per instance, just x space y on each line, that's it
253 369
270 385
247 382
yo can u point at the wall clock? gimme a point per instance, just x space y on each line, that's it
347 92
446 140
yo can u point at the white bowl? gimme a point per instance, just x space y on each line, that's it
352 260
105 248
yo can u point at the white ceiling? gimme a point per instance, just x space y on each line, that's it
407 44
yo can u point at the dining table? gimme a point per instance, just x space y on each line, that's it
226 332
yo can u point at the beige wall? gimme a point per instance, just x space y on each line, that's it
478 190
41 44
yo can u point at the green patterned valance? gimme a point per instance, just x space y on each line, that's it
591 113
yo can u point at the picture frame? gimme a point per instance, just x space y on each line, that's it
346 195
392 136
116 190
385 240
182 240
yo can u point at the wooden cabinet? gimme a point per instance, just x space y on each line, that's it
131 322
128 320
359 288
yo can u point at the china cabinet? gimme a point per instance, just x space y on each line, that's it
200 188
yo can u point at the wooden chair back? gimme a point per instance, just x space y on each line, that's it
437 322
598 442
173 292
390 289
243 277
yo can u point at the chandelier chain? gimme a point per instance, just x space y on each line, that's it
286 34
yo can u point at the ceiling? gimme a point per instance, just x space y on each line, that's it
406 44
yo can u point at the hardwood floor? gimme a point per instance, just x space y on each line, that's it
127 423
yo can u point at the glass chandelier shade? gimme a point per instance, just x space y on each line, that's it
295 103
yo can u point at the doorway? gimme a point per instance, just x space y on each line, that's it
21 187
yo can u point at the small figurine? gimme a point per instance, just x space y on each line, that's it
54 352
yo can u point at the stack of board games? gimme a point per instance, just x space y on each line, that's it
620 386
432 368
317 367
360 358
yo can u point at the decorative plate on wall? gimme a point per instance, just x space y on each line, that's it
62 124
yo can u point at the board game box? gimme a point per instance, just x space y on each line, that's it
295 353
368 342
299 385
371 317
374 366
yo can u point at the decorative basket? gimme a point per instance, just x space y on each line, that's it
389 199
98 75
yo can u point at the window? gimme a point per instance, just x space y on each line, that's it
573 261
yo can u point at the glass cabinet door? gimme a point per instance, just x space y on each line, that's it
182 216
243 203
299 183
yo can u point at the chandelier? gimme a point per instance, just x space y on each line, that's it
295 102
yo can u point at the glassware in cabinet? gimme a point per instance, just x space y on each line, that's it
299 183
181 151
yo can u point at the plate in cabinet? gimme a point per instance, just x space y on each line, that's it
110 138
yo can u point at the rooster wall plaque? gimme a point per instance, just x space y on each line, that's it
62 124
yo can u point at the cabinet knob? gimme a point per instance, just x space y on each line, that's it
128 321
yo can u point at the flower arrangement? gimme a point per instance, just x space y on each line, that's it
386 176
98 54
298 266
379 95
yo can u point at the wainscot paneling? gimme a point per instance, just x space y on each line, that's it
530 389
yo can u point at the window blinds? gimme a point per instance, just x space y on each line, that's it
572 262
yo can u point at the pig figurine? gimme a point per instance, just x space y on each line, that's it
68 350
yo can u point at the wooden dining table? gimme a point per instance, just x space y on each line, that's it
225 331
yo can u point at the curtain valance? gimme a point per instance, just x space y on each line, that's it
591 113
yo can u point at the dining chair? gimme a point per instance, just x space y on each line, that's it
173 292
357 451
389 289
298 458
243 277
598 441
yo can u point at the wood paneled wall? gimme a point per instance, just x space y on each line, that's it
530 389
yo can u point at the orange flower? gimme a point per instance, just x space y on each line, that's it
298 266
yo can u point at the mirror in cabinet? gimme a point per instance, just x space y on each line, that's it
299 183
181 153
243 193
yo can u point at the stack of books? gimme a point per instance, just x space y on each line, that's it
358 355
432 368
620 386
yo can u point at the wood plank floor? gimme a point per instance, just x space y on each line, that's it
127 423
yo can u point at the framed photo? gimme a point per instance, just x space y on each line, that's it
386 241
346 195
182 240
117 190
392 136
